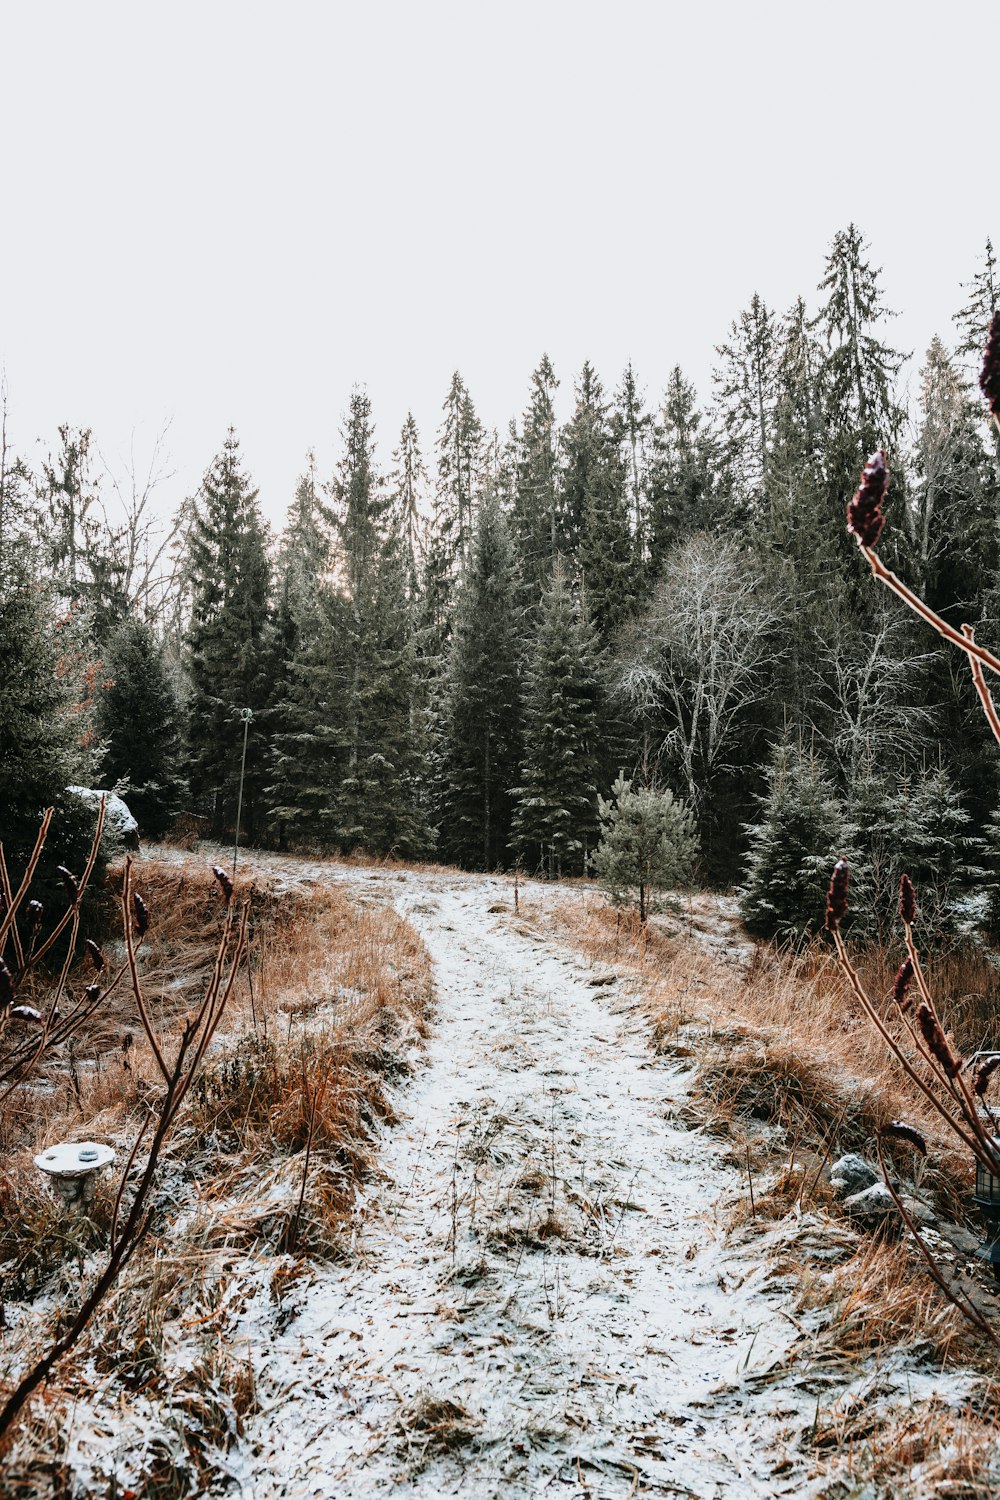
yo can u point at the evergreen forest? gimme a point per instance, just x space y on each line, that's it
461 641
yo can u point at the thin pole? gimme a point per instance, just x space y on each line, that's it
246 715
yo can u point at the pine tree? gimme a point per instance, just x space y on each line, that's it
647 843
538 523
302 722
67 497
633 428
481 730
975 317
377 802
408 483
138 720
747 386
556 815
951 518
681 472
229 578
42 751
459 466
801 833
15 527
597 505
860 369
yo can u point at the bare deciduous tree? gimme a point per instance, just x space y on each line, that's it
692 664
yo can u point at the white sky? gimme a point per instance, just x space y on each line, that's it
223 212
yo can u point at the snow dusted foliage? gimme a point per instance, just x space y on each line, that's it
556 817
801 834
647 843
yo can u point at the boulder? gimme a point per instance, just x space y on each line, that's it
850 1175
873 1205
118 818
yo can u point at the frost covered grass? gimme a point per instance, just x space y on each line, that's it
263 1162
787 1071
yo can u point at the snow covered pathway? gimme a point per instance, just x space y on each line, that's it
540 1302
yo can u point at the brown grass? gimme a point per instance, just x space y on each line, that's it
267 1153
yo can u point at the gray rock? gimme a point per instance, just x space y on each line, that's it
851 1174
118 817
871 1206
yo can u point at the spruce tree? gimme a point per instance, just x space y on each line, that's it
681 472
801 833
67 497
556 802
229 578
139 720
459 471
408 483
747 386
860 369
302 722
975 317
633 426
15 502
377 800
42 751
481 728
597 506
538 523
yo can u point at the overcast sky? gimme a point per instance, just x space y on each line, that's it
221 213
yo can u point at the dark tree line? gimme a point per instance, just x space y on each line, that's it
459 651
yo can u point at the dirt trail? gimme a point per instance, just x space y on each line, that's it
540 1296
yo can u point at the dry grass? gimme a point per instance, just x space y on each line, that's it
267 1154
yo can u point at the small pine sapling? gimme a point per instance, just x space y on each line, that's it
647 843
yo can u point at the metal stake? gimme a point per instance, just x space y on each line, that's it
246 714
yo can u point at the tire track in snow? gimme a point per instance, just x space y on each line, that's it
540 1295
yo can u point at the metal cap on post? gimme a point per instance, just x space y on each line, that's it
72 1169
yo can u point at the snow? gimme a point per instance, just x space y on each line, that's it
544 1256
541 1290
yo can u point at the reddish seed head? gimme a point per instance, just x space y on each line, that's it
907 901
96 954
141 912
224 881
984 1073
836 896
900 1131
989 380
904 977
937 1042
865 518
71 883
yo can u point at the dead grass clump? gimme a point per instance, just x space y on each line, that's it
932 1450
437 1424
879 1301
772 1080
